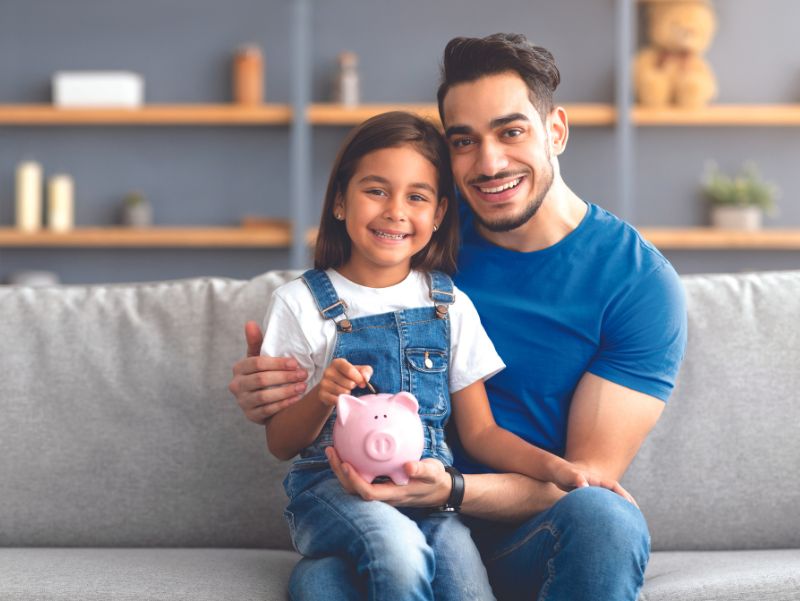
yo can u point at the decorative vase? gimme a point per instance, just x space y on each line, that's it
736 218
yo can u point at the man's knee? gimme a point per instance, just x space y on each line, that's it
601 518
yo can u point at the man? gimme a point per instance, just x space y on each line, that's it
589 318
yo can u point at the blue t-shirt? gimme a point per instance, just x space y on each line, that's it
601 300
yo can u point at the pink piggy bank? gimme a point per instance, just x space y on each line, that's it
378 433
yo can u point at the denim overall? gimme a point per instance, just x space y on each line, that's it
408 350
394 553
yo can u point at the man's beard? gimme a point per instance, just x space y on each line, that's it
515 221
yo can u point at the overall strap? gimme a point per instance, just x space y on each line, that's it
328 302
441 292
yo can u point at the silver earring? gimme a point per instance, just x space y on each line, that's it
339 216
435 228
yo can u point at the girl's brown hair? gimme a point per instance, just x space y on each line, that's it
390 130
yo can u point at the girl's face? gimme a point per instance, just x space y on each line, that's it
389 209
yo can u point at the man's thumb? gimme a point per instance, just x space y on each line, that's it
252 332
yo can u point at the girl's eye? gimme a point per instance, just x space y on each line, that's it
376 192
418 198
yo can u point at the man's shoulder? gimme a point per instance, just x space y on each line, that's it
616 241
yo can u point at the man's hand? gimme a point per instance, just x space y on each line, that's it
341 377
429 484
569 476
265 385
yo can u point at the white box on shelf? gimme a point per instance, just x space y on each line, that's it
98 89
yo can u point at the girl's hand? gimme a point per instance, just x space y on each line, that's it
429 485
341 377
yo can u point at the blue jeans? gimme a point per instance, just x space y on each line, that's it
592 544
371 550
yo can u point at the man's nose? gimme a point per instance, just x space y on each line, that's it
492 158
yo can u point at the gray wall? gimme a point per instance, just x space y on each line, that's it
217 175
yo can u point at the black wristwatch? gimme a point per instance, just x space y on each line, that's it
456 493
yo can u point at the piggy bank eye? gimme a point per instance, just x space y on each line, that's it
384 415
376 417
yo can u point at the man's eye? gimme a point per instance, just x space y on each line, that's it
461 142
513 133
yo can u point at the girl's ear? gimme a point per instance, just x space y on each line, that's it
441 209
338 208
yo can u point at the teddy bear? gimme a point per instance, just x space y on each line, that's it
671 70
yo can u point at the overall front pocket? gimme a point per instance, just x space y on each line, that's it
428 379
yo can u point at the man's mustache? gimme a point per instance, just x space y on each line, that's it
482 179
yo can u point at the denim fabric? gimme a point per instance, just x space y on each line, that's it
384 552
590 545
396 346
355 549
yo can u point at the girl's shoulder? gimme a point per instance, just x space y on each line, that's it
295 295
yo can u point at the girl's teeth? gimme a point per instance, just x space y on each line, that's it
390 236
512 184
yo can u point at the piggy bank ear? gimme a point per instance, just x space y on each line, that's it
345 404
407 400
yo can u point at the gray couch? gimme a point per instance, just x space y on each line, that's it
128 472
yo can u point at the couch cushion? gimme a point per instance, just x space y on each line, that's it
719 471
117 425
723 576
153 574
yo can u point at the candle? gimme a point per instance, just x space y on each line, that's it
60 203
29 196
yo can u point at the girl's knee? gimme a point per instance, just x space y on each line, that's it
402 556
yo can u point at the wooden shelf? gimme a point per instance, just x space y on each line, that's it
156 114
336 114
710 239
277 236
721 115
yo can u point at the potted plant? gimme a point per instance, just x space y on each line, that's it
739 202
136 210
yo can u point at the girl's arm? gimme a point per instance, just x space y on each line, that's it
297 426
498 448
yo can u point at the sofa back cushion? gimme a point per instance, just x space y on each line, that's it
117 427
720 469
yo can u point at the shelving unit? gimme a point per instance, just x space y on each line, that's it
302 116
716 239
166 114
277 236
586 114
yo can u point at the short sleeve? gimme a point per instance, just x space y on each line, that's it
472 354
643 337
284 337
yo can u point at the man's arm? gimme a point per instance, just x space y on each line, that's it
607 425
500 497
265 385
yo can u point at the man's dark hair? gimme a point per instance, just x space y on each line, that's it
469 59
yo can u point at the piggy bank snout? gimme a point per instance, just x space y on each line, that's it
380 445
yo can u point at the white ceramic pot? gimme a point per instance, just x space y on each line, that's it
736 218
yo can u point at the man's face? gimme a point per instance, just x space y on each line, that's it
500 150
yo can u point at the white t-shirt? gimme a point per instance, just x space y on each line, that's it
295 328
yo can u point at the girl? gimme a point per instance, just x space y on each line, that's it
379 308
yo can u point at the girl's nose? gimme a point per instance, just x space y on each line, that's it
394 209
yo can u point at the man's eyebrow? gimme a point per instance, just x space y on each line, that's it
457 129
506 119
382 180
493 124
